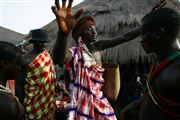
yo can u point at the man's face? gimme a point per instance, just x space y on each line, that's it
144 43
147 41
40 46
89 34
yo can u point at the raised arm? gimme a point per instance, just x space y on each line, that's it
130 35
60 55
66 22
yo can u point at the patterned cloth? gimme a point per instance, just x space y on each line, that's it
40 87
87 100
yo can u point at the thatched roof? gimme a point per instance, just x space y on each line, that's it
114 17
10 36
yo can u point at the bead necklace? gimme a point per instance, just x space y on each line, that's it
4 89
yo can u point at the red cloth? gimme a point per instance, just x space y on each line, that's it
40 87
11 85
87 100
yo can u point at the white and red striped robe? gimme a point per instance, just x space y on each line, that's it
87 100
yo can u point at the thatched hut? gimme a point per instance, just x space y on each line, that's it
114 17
10 36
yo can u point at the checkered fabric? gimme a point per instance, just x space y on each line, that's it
87 100
40 87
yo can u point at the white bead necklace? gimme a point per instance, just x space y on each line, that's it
4 89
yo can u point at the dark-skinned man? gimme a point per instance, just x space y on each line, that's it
36 85
10 57
87 101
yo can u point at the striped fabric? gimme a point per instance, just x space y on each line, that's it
87 100
40 87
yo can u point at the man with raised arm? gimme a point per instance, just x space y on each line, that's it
87 100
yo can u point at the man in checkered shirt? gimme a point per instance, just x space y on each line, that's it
36 88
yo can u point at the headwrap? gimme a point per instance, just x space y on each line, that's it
81 25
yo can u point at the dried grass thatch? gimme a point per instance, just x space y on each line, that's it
10 36
114 17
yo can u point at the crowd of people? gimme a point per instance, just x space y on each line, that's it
77 94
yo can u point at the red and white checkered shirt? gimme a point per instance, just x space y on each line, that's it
87 100
40 87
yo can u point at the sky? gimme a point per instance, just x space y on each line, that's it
25 15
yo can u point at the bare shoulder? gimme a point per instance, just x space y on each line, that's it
173 71
99 45
168 82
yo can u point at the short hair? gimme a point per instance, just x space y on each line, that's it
166 18
8 51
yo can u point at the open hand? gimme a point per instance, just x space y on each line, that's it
66 21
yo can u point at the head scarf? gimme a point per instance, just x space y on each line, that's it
81 25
